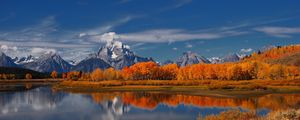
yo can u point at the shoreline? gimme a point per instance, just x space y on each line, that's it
25 84
221 88
237 89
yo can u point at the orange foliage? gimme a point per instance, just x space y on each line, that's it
252 67
152 100
28 76
54 74
73 75
275 53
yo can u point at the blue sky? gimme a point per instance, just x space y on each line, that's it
162 29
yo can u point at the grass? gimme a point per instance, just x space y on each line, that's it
188 85
25 84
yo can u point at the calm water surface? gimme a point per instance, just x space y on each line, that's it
44 104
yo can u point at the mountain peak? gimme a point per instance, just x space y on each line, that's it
233 57
49 62
23 60
2 53
6 60
189 58
117 54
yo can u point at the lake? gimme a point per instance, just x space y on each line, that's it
43 103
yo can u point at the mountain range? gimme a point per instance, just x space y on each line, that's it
114 54
189 58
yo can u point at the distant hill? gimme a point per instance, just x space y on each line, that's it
21 72
189 58
286 55
48 63
6 60
293 59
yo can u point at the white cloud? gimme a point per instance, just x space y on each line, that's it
82 34
246 50
173 35
176 4
188 45
96 33
8 48
108 37
37 32
38 51
279 31
44 44
45 36
175 48
181 3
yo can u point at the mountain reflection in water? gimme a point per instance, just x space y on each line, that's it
43 103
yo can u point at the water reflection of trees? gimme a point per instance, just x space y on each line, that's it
148 100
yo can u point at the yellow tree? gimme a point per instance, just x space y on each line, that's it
97 74
127 73
54 74
277 72
143 70
64 75
109 74
169 71
28 76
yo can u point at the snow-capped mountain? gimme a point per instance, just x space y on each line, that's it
119 55
113 54
6 61
91 63
231 58
26 59
48 63
72 62
167 62
189 58
215 60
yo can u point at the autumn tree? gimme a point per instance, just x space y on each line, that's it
276 72
97 75
28 76
111 74
73 75
142 71
54 74
168 72
64 75
127 73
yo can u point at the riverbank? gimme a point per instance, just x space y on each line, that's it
25 84
199 87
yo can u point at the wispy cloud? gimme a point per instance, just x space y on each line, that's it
279 31
36 32
17 51
46 35
95 34
246 50
174 35
180 3
176 4
44 44
188 45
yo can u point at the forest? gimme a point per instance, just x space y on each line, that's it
253 67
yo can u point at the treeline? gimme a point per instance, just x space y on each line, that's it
274 53
10 73
227 71
255 66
